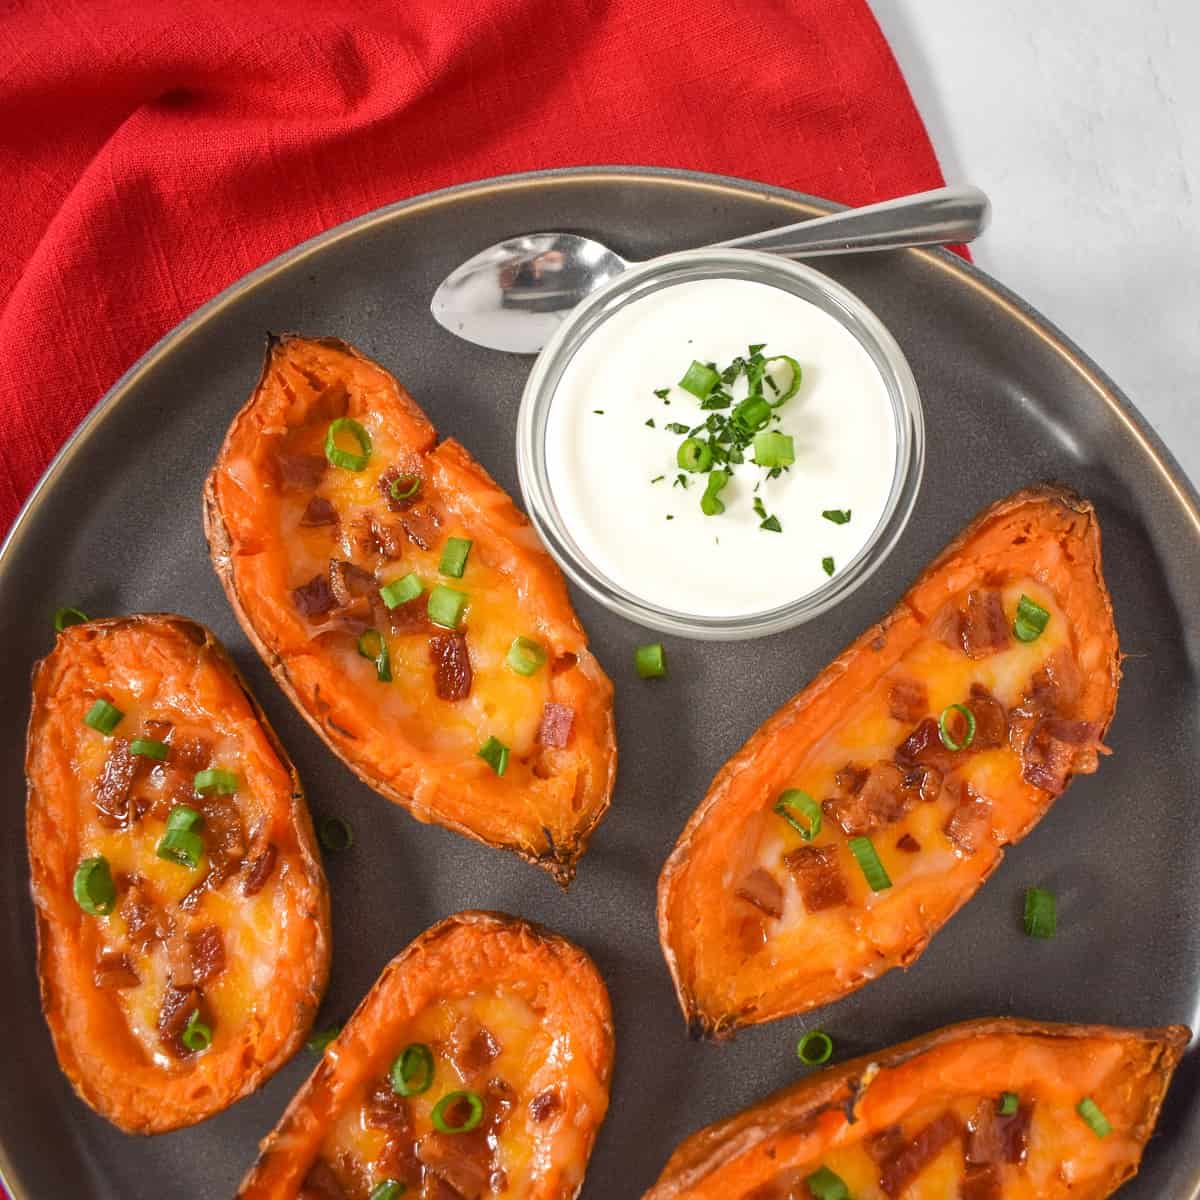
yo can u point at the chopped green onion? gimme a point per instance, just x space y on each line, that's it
827 1185
814 1048
752 414
214 780
868 861
66 617
182 847
1041 913
650 661
401 591
598 411
149 748
947 738
495 753
446 606
94 889
454 557
412 1072
1009 1103
1097 1122
710 503
771 524
525 656
792 388
807 821
185 818
321 1039
447 1102
774 449
347 458
1031 620
103 716
676 427
196 1035
839 516
694 455
662 393
373 645
336 835
699 379
650 424
388 1189
404 487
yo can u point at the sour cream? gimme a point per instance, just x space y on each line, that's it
614 477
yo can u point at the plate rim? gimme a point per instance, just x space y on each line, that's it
958 269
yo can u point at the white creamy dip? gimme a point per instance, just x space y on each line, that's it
651 538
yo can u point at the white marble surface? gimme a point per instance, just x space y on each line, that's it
1081 120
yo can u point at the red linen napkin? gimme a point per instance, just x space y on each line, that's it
156 151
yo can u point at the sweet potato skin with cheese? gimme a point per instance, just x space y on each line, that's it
467 952
735 1158
1046 532
96 1050
546 818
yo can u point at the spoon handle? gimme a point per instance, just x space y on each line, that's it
945 215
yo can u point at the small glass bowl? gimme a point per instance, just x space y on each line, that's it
683 267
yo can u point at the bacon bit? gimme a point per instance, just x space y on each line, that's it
386 1109
315 598
887 1143
463 1161
923 783
993 1138
985 627
451 666
421 525
947 627
111 796
259 869
410 617
908 844
991 721
473 1048
500 1098
145 922
981 1183
818 876
555 728
1055 749
897 1172
224 836
924 746
969 823
881 801
379 537
851 778
191 754
178 1004
544 1105
385 487
321 1184
762 889
300 472
751 934
207 948
908 700
563 662
114 970
349 582
319 511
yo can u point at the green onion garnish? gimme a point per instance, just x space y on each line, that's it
447 1102
662 393
752 414
347 458
710 503
388 1189
694 455
446 606
103 716
774 449
454 557
1097 1122
149 748
214 780
650 661
185 818
827 1185
827 565
181 847
839 516
771 524
66 617
336 835
321 1039
525 656
675 427
868 861
404 487
412 1072
1041 913
401 591
495 753
947 738
814 1048
699 379
1031 620
373 645
94 889
1009 1103
797 375
800 811
196 1035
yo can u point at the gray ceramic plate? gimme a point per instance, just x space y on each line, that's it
115 527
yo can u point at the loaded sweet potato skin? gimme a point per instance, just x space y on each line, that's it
758 920
505 1009
302 547
924 1119
242 939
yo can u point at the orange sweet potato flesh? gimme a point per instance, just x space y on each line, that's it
947 1086
755 922
415 739
243 938
544 1057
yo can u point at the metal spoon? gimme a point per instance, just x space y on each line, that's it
513 295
